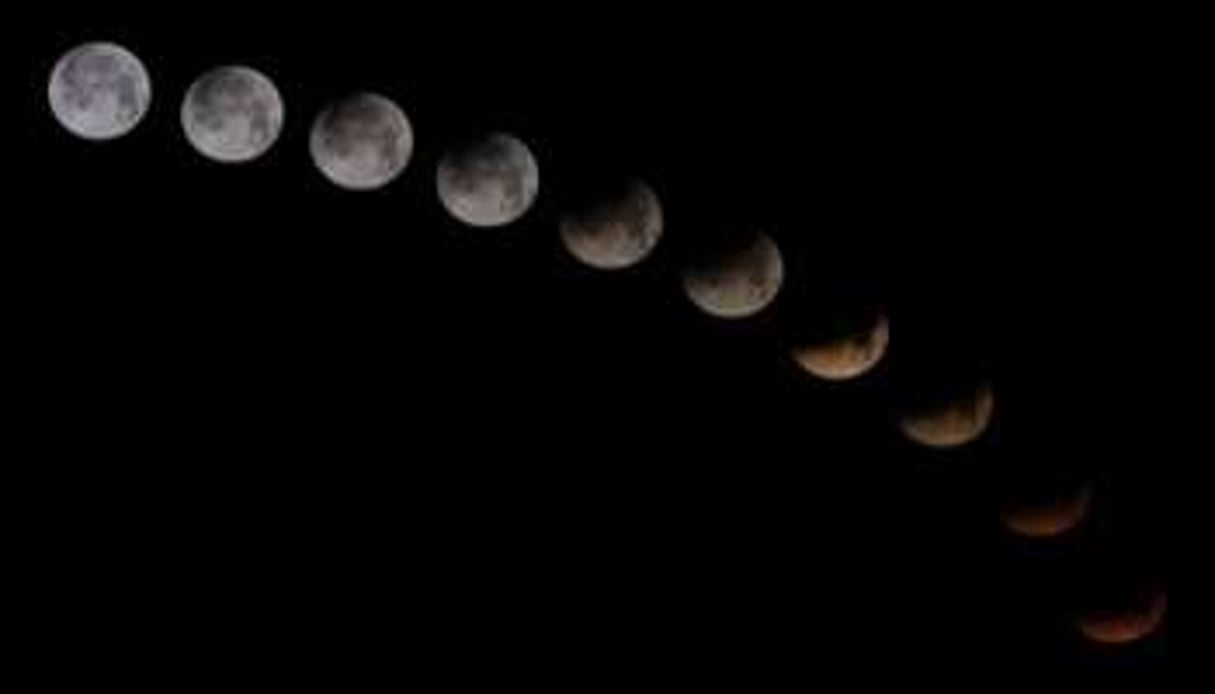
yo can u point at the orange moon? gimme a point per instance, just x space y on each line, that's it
952 424
1051 518
846 357
1119 628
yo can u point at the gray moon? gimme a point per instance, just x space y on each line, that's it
739 283
617 232
952 424
99 91
232 114
490 182
847 357
361 142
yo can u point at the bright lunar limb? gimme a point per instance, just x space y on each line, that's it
846 356
736 283
951 424
488 182
232 114
99 91
617 231
361 142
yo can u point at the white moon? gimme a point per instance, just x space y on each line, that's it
738 283
490 182
847 356
232 114
617 232
99 91
361 142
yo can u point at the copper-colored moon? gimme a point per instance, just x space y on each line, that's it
1119 628
847 357
1050 519
955 423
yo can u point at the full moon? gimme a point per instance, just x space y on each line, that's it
616 232
99 91
489 182
1050 517
954 423
361 142
1123 626
232 114
736 283
848 356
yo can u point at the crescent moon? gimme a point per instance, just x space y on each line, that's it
1050 519
846 357
951 424
1123 627
738 283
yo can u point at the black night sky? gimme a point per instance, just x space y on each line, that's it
263 421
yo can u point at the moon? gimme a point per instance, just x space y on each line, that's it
489 182
1054 516
617 232
953 423
232 114
99 91
1123 626
846 357
362 142
737 283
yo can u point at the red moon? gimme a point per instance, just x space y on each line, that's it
1122 627
951 424
1050 519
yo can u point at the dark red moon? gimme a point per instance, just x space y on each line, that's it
1048 518
1124 625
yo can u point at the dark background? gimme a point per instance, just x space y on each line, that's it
263 420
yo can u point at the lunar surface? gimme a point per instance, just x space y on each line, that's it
616 232
362 142
99 91
846 357
490 182
1050 517
1124 626
951 424
736 283
232 114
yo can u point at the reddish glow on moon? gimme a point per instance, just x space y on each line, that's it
846 357
1047 519
952 424
1124 626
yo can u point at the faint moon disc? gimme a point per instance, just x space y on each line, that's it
848 356
616 232
489 182
1051 517
232 114
361 142
953 423
99 91
1124 625
738 282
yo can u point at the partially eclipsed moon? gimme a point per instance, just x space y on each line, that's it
490 182
738 283
362 142
953 423
616 232
1124 626
99 91
1048 518
232 114
846 357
